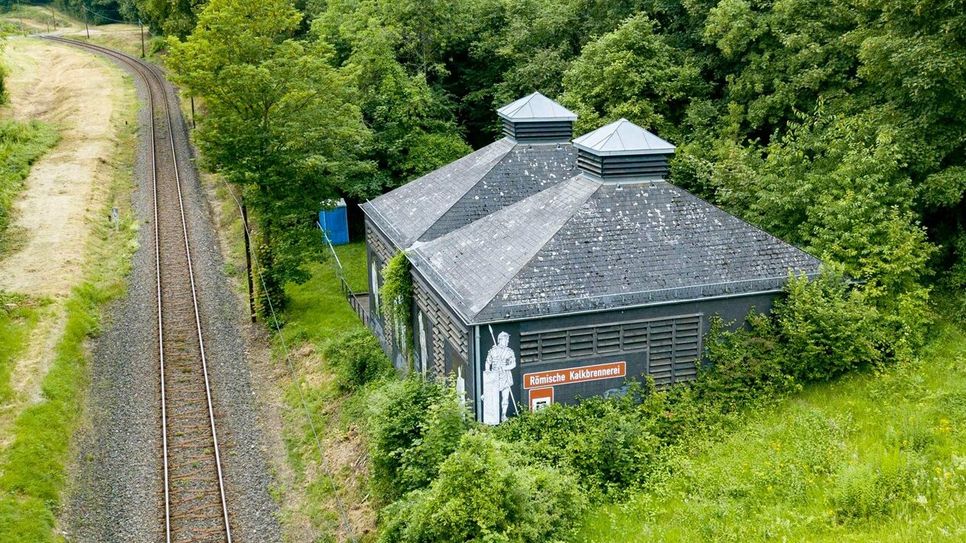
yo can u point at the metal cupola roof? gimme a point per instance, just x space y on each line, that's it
535 108
623 137
537 118
622 151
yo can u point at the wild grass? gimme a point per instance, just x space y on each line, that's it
18 316
27 19
32 468
317 312
879 456
21 144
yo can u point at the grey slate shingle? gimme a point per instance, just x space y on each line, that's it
406 213
625 245
472 187
523 172
474 262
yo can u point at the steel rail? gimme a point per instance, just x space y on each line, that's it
140 68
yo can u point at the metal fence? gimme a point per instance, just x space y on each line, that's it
358 301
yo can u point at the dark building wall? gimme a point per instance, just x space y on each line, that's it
664 341
445 338
378 251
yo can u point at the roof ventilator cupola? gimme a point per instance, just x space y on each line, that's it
622 151
536 118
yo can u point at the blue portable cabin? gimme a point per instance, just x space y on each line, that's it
334 221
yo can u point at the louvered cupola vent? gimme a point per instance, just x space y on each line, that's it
536 118
623 151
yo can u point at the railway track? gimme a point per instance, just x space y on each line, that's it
195 504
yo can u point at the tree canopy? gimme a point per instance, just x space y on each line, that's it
834 124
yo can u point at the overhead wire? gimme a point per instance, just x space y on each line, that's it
340 505
102 16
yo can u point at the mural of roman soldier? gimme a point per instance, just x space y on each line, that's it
498 380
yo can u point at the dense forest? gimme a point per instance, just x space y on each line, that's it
835 125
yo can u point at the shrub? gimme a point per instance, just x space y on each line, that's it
487 492
357 358
744 365
828 328
606 443
413 426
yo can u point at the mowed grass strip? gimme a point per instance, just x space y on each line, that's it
32 468
21 144
874 457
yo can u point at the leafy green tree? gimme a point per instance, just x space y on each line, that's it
170 17
781 57
413 128
278 122
633 72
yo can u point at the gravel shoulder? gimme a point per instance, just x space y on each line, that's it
115 492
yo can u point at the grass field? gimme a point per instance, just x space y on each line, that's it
32 468
24 19
20 145
877 457
18 316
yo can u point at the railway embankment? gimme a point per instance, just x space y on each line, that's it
69 262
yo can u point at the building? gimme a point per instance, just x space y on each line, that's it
546 269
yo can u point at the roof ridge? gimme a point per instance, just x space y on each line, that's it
555 194
493 162
552 235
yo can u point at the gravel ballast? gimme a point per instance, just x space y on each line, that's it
115 491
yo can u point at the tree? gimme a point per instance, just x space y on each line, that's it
170 17
414 130
632 72
278 122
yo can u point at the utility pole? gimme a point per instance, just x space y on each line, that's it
87 28
193 112
141 25
248 261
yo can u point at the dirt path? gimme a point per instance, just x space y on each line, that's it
64 190
78 94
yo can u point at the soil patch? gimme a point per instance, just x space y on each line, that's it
78 94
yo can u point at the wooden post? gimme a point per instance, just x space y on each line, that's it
193 112
248 262
87 28
141 25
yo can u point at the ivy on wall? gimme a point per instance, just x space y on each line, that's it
397 295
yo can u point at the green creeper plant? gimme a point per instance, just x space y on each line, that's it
397 295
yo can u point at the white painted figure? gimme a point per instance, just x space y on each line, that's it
374 285
498 380
423 350
460 383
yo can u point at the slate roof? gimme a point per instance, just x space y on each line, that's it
470 188
586 245
535 107
622 137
